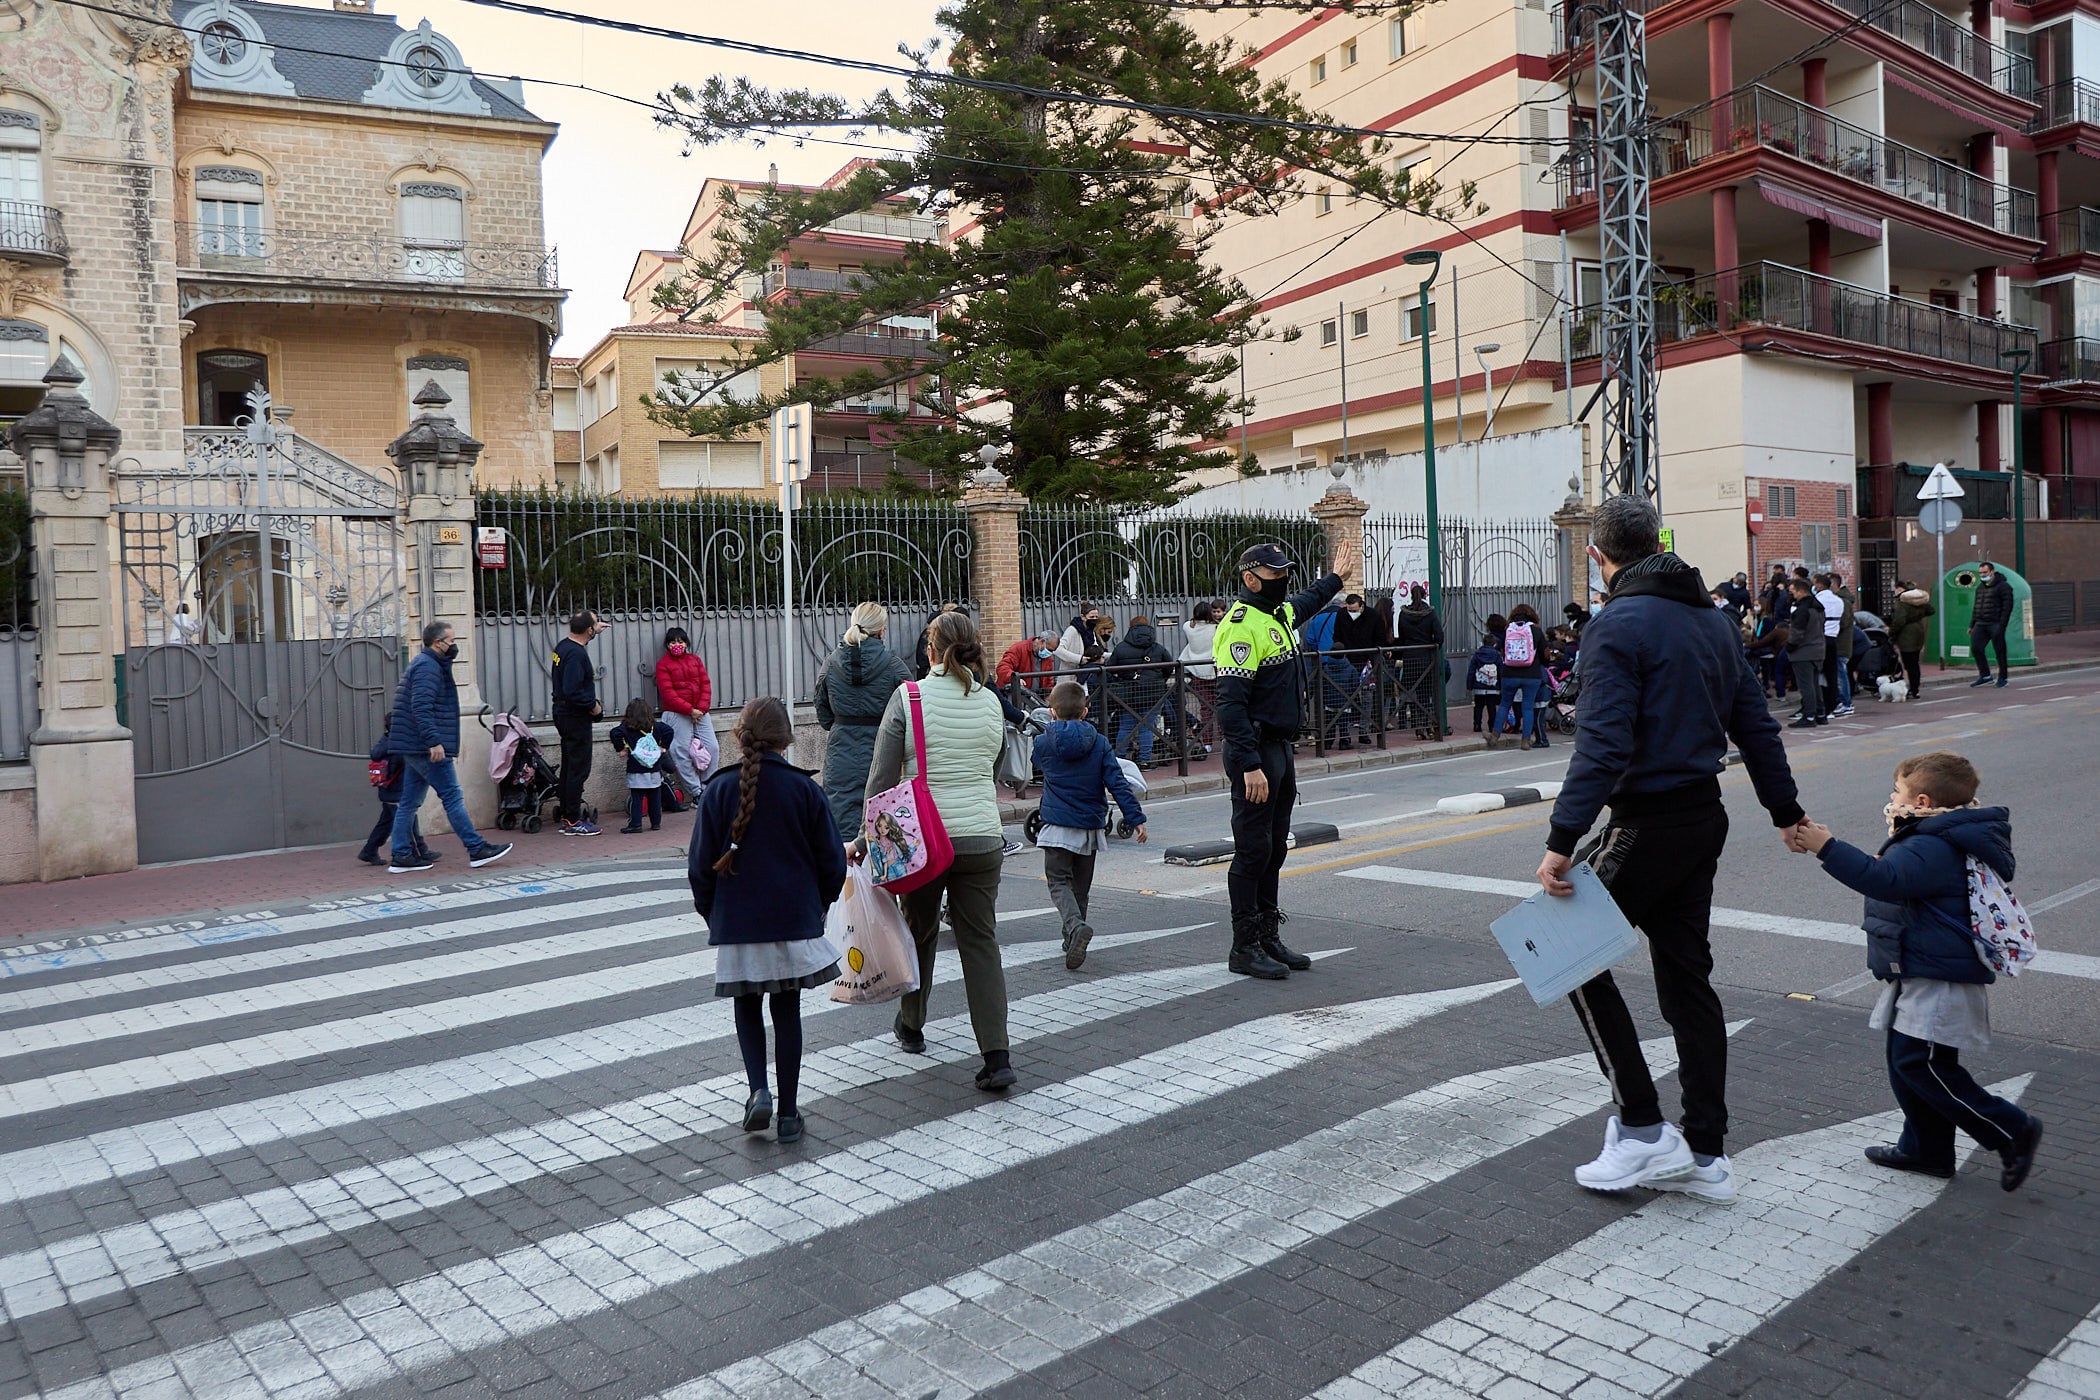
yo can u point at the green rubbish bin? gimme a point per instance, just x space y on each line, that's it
1957 603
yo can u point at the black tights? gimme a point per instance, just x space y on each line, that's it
787 1035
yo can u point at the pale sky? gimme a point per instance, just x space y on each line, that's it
615 181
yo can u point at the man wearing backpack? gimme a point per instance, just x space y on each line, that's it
1664 690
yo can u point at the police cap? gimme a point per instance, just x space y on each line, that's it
1266 556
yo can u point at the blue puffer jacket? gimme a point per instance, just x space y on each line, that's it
1664 689
426 708
1917 917
1077 765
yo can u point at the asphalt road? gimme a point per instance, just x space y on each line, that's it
2032 741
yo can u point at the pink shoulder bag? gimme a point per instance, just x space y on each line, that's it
907 844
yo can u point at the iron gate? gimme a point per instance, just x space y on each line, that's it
262 621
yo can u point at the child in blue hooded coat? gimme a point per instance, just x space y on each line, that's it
1078 770
1920 944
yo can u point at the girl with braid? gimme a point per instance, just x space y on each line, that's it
765 864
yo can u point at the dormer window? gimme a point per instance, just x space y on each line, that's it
423 69
426 67
222 44
228 52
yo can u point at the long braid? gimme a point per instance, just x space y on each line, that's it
762 728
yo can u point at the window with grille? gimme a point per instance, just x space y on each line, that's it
1844 503
229 212
1844 538
1779 502
434 231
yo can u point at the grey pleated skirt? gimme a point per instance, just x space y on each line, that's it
747 969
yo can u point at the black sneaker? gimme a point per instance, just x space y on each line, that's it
410 865
911 1042
1075 947
487 855
1803 723
2019 1158
370 858
1980 680
997 1076
1900 1161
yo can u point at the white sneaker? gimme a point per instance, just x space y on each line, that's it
1713 1183
1628 1162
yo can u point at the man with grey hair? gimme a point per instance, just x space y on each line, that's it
1665 688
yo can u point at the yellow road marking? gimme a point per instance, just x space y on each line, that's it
1413 846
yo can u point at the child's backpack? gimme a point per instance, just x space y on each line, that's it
1519 645
1487 676
646 751
380 771
2004 934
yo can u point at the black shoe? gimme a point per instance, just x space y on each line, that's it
1247 957
997 1076
790 1128
630 829
409 865
911 1042
1272 921
370 858
1804 723
1345 744
1541 744
1822 720
2001 682
1980 680
1903 1162
1075 947
758 1111
2019 1158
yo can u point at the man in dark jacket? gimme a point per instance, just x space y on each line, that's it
1988 622
1804 623
1256 653
424 734
1737 591
1361 633
575 706
1664 691
1137 696
1419 633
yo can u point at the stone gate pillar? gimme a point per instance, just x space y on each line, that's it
1341 515
993 509
436 459
86 813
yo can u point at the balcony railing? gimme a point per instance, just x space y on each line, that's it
1760 119
889 347
2066 103
913 227
1770 294
2076 231
808 279
2073 360
863 470
1943 38
266 253
32 230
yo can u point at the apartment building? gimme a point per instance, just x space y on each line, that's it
317 202
1865 211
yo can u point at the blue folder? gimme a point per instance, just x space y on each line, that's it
1558 942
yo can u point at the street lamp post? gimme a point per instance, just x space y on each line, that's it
1487 386
2018 360
1430 260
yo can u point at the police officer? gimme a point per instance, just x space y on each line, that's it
1256 655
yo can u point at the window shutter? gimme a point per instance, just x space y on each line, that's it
429 221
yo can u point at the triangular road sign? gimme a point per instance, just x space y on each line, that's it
1939 486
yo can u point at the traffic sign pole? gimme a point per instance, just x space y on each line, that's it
1940 515
794 429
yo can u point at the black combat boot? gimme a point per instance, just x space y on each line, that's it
1272 941
1247 958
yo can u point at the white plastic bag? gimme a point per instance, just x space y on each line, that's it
878 959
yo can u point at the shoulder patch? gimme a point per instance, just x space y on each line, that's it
1276 636
1238 613
1242 652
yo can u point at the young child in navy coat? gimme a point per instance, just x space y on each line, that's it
1935 1001
646 763
766 863
389 794
1079 770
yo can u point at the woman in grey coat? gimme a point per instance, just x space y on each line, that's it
852 690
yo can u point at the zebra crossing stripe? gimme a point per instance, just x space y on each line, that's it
573 1275
20 993
24 960
1093 1281
2081 965
157 1145
391 976
2072 1370
187 1241
1646 1302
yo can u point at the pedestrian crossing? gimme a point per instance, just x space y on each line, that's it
366 1154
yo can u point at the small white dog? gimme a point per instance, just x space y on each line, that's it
1893 688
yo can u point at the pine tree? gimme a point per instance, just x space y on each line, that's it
1084 301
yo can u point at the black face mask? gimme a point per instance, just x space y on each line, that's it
1274 590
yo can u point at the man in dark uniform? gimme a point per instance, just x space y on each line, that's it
1255 651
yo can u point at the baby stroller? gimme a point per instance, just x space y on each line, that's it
1562 691
525 781
1117 826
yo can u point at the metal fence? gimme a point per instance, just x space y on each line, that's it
710 565
18 701
1488 567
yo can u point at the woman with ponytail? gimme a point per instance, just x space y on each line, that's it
765 864
852 690
965 729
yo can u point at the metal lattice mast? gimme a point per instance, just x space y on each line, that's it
1623 148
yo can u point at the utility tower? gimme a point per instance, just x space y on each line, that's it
1620 34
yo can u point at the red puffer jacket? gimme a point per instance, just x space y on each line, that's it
682 684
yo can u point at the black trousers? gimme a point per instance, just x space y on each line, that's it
1831 664
1938 1095
1980 640
575 731
1806 669
1914 672
383 832
1261 832
1662 877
